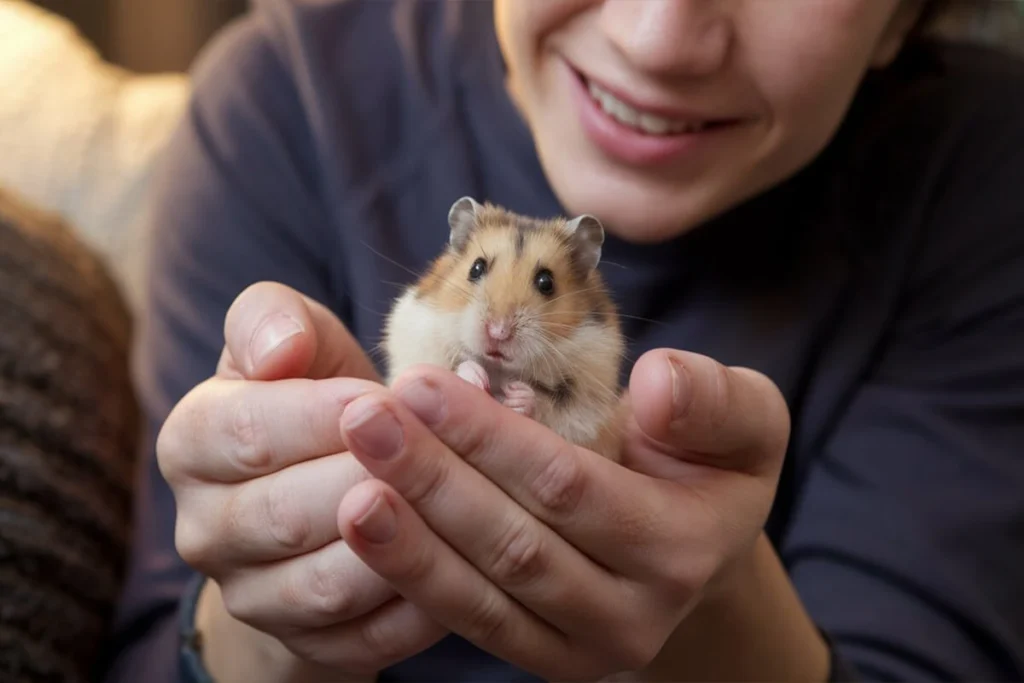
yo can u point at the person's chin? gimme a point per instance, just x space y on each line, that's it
630 208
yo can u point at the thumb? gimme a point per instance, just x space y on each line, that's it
695 409
274 332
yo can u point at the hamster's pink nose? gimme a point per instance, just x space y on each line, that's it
499 330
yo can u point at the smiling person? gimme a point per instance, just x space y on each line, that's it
815 231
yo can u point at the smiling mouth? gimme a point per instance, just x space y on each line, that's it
642 120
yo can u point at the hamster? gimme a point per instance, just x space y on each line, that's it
516 306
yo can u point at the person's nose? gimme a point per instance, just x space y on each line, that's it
669 38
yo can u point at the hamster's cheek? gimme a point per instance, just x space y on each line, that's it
469 328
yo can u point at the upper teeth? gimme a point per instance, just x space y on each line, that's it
648 123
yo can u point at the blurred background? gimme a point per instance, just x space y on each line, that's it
147 35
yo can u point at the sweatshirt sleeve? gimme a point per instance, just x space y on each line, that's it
908 542
234 205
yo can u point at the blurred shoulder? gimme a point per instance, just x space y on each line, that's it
934 170
357 86
934 145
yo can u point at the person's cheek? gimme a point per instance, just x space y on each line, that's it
805 58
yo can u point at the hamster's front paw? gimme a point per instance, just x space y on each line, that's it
519 397
474 373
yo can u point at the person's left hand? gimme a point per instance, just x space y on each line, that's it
547 555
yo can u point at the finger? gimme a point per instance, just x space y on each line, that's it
230 431
396 543
282 515
312 591
365 646
272 331
696 409
597 506
509 546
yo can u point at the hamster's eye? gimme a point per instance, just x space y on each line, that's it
544 281
477 270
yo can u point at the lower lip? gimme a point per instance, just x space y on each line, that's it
628 145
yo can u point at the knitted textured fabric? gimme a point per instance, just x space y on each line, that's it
68 433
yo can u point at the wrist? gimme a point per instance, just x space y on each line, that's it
233 651
749 624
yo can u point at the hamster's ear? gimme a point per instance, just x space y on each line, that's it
586 235
461 219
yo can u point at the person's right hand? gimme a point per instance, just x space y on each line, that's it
257 464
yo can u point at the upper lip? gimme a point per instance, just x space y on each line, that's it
658 109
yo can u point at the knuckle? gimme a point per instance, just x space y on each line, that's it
250 443
433 479
473 440
237 603
169 450
305 645
558 487
175 439
192 543
686 575
520 556
329 594
485 619
419 564
381 641
285 521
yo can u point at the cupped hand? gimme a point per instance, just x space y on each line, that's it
545 554
258 469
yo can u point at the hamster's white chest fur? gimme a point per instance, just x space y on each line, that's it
418 332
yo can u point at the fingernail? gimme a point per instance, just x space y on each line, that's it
373 428
426 401
271 333
378 524
681 392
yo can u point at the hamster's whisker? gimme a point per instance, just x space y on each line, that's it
576 291
390 260
584 312
467 295
545 347
574 347
552 366
567 326
555 314
534 351
646 320
594 385
553 348
370 309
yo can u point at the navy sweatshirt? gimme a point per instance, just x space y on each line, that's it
882 289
